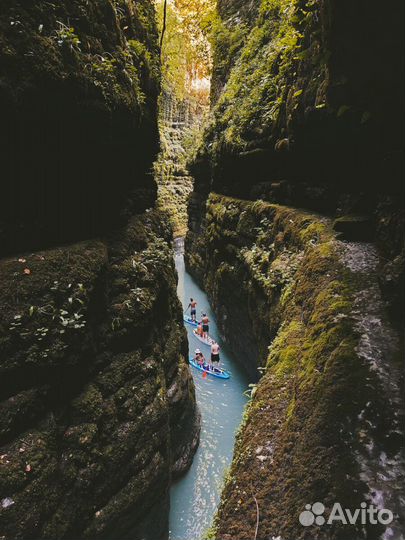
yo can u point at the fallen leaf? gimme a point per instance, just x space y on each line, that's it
22 260
27 271
28 468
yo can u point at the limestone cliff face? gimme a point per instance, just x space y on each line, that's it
97 403
78 95
307 96
305 308
308 109
303 117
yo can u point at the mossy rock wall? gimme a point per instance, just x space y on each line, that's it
307 108
79 82
180 121
97 404
308 113
306 309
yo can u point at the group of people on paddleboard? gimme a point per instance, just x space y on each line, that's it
202 326
201 360
202 331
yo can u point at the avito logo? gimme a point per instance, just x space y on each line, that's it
313 514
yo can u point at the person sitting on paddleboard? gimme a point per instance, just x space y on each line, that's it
193 306
205 326
199 330
215 354
199 357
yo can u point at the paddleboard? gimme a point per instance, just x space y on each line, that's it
215 372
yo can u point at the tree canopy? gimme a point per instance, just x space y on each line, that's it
186 52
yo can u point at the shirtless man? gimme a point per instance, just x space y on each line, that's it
215 354
193 306
205 326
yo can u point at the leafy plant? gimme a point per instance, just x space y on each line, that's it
66 35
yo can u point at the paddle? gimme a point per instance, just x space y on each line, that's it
204 375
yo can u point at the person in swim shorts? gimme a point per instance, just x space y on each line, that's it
193 311
205 325
215 354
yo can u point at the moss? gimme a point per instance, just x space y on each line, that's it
248 108
179 127
261 245
114 431
88 406
295 299
97 86
287 105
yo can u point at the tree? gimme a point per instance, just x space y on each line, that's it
185 49
164 24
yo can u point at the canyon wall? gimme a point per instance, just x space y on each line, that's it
311 97
180 121
305 101
78 95
303 311
98 411
98 407
310 115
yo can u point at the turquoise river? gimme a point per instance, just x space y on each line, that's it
194 498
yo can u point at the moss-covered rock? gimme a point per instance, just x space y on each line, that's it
78 101
303 104
180 123
98 405
306 309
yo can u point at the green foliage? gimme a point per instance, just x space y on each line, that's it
226 41
143 58
66 35
260 64
186 55
256 89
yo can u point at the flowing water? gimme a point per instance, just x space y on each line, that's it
194 498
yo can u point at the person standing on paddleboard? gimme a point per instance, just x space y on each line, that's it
215 354
205 326
193 306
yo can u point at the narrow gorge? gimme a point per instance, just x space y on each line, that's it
267 135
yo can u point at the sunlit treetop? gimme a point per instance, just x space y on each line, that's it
186 52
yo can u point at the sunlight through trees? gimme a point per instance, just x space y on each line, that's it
186 52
